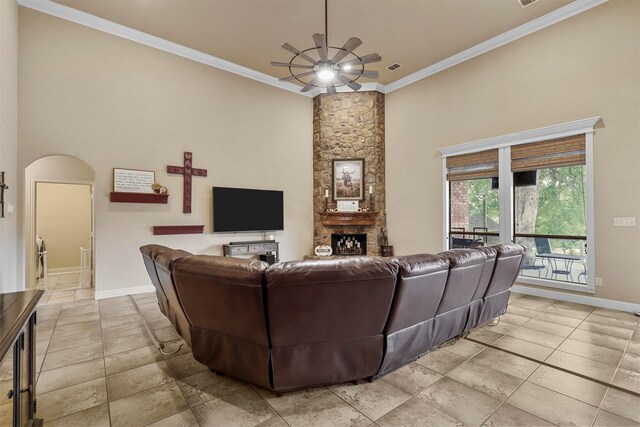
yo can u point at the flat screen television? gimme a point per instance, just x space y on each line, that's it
520 179
243 209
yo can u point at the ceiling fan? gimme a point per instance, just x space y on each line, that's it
323 66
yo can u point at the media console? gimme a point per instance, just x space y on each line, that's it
257 247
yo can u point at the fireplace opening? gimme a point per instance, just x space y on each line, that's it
349 244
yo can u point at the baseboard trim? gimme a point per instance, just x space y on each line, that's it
579 299
62 270
120 292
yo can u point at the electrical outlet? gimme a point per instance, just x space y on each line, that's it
624 222
599 281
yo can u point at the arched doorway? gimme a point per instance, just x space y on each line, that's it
68 177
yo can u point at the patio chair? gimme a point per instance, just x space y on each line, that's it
543 245
530 263
583 273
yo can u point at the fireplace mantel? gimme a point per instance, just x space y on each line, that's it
348 218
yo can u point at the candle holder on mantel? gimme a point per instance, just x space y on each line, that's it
372 203
325 204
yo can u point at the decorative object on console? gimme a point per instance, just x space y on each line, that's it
324 72
323 250
159 189
348 179
348 206
3 187
384 239
386 251
187 171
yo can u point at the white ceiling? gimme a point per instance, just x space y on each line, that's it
249 33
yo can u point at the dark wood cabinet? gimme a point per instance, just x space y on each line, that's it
17 357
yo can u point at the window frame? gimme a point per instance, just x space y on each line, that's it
506 198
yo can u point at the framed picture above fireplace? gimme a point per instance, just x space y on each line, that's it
348 179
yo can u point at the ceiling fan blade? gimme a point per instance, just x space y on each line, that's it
346 80
310 85
367 59
331 89
321 44
286 64
370 74
345 50
295 76
301 54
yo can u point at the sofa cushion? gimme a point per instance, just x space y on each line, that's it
223 294
508 262
329 299
490 253
464 276
420 287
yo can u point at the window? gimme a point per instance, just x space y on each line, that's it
474 210
534 188
549 208
550 222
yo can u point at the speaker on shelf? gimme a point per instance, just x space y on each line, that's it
269 259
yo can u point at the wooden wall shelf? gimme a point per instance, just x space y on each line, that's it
139 197
349 218
177 229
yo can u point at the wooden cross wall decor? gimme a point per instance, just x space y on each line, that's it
187 171
3 187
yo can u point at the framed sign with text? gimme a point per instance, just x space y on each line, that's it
133 181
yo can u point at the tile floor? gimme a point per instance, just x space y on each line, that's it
66 287
97 367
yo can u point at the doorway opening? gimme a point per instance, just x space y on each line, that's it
63 226
59 229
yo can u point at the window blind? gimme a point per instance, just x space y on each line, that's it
569 151
483 164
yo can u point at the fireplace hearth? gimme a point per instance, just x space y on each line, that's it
349 244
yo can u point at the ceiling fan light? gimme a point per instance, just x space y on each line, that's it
346 67
326 73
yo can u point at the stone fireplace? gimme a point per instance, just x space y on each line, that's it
349 244
349 125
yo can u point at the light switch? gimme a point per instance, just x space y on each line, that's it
9 209
624 222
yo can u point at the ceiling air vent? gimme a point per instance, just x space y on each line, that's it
525 3
395 66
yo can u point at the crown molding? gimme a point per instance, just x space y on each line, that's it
82 18
558 15
366 87
550 132
91 21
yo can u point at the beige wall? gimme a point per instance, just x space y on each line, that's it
63 220
115 103
583 67
9 142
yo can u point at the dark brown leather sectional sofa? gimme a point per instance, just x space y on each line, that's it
308 323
